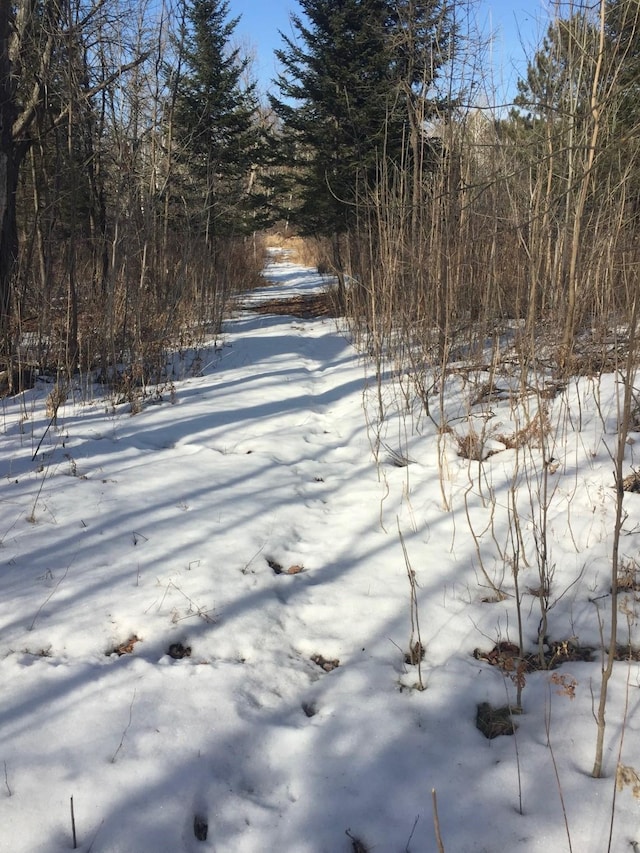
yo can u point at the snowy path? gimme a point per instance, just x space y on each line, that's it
180 526
165 533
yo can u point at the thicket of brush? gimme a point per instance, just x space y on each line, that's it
493 256
130 200
525 231
139 166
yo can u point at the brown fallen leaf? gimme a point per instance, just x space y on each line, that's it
126 647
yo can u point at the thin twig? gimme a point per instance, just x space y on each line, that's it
6 780
10 528
245 568
50 596
127 727
436 821
413 829
415 621
515 744
93 840
73 826
137 536
44 436
547 726
199 611
32 518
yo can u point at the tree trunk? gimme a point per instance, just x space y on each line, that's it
338 267
8 241
9 166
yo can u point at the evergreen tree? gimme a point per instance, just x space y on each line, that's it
623 73
558 82
552 122
215 124
623 33
356 76
52 63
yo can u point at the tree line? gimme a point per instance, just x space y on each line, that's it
138 167
131 149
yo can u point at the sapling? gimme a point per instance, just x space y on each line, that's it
541 493
515 566
477 538
624 424
626 776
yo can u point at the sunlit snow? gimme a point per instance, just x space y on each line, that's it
246 524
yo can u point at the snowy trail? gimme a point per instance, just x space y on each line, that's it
177 529
160 527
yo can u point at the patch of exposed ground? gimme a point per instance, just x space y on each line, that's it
307 306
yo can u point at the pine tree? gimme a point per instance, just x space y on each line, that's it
336 73
623 32
559 78
215 124
355 83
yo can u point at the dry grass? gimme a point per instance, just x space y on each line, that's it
474 446
306 251
631 482
629 575
494 722
532 434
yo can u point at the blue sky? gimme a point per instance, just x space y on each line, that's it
259 26
513 22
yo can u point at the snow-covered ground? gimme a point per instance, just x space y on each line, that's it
241 547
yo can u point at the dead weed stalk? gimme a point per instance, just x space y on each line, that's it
416 649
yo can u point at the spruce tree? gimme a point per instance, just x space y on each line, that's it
354 77
214 124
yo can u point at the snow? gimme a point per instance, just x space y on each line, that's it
252 515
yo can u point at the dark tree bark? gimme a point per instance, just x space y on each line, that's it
29 31
18 111
10 157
